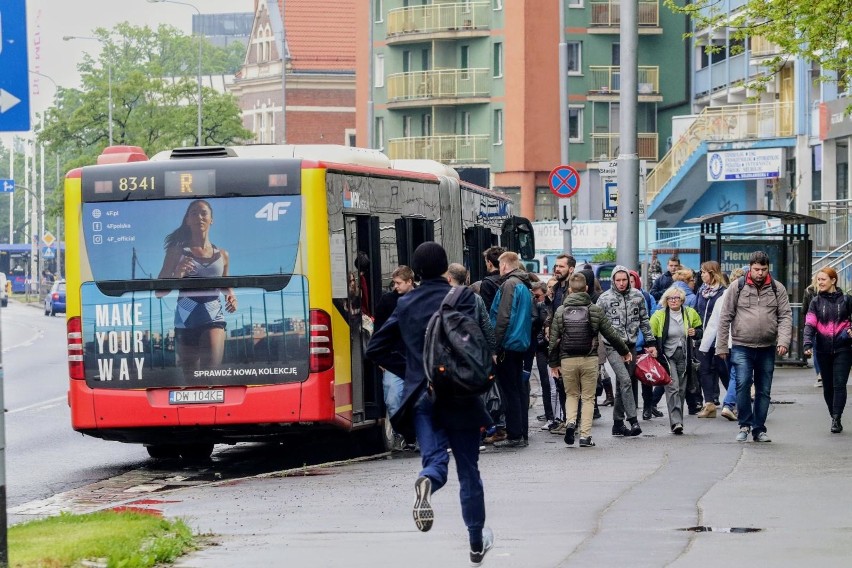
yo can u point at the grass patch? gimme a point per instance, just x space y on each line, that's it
113 539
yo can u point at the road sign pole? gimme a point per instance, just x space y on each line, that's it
564 136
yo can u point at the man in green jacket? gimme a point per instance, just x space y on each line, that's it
574 350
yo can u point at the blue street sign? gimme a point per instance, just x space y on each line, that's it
7 186
14 80
48 252
564 181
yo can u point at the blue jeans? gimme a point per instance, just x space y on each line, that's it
753 364
731 391
393 386
434 458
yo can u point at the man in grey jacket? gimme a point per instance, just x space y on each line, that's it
756 315
626 310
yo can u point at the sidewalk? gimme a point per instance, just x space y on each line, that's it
626 502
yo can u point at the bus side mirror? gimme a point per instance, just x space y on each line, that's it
517 235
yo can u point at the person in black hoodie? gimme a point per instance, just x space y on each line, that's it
491 283
827 333
662 283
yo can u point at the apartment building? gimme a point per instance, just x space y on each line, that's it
475 84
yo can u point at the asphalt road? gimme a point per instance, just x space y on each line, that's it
627 502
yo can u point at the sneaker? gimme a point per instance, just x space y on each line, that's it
542 418
476 557
619 429
507 443
762 437
547 425
497 436
677 429
646 414
559 430
422 511
742 436
524 443
409 447
656 413
597 414
569 433
836 426
818 383
634 430
587 442
728 412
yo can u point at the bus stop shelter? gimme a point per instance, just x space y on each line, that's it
785 238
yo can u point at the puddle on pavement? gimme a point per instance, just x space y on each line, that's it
734 530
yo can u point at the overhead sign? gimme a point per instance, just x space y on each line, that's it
7 186
564 181
745 164
14 80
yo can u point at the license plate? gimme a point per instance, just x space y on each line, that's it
206 396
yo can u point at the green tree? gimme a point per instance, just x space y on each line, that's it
817 30
154 94
606 255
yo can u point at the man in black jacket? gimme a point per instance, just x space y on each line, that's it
489 285
662 283
439 423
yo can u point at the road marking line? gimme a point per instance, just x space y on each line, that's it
52 401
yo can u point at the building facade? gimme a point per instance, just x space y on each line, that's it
475 84
318 89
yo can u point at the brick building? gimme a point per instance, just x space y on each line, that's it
320 81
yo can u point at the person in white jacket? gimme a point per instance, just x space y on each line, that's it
708 342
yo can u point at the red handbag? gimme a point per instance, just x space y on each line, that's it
651 372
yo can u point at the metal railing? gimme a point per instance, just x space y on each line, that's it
448 149
605 79
724 123
607 13
837 231
605 146
439 18
442 83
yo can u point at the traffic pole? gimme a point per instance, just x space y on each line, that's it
4 543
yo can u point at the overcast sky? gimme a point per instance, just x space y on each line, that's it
49 20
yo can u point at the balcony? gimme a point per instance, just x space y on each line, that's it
606 17
439 87
438 21
605 83
761 48
447 149
605 146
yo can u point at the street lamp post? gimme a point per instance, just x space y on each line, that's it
200 45
35 241
109 77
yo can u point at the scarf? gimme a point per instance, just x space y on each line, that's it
708 291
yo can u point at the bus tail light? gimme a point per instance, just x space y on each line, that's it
75 348
322 350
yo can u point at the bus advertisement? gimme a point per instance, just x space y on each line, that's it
216 295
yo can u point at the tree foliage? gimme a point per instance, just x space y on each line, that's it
816 30
154 95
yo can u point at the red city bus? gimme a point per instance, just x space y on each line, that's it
223 294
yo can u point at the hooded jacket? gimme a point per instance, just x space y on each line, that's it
827 323
690 293
511 312
626 310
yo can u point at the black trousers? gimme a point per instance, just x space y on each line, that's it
510 367
834 369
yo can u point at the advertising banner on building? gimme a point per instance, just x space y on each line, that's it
737 165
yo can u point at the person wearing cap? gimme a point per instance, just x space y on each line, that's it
439 424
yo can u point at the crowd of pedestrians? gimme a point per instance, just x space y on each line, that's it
708 330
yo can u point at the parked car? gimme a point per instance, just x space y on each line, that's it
54 302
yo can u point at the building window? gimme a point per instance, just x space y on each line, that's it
425 59
379 71
498 59
380 133
406 61
575 3
465 123
406 126
349 137
464 64
498 4
426 124
575 124
575 57
498 126
378 11
546 205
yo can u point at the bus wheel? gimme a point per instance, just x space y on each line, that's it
196 452
163 452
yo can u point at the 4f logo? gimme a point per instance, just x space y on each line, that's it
272 211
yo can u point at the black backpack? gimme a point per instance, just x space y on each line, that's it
578 337
456 356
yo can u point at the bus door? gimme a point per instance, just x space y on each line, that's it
477 240
361 233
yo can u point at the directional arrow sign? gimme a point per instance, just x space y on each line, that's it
7 186
564 219
14 79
